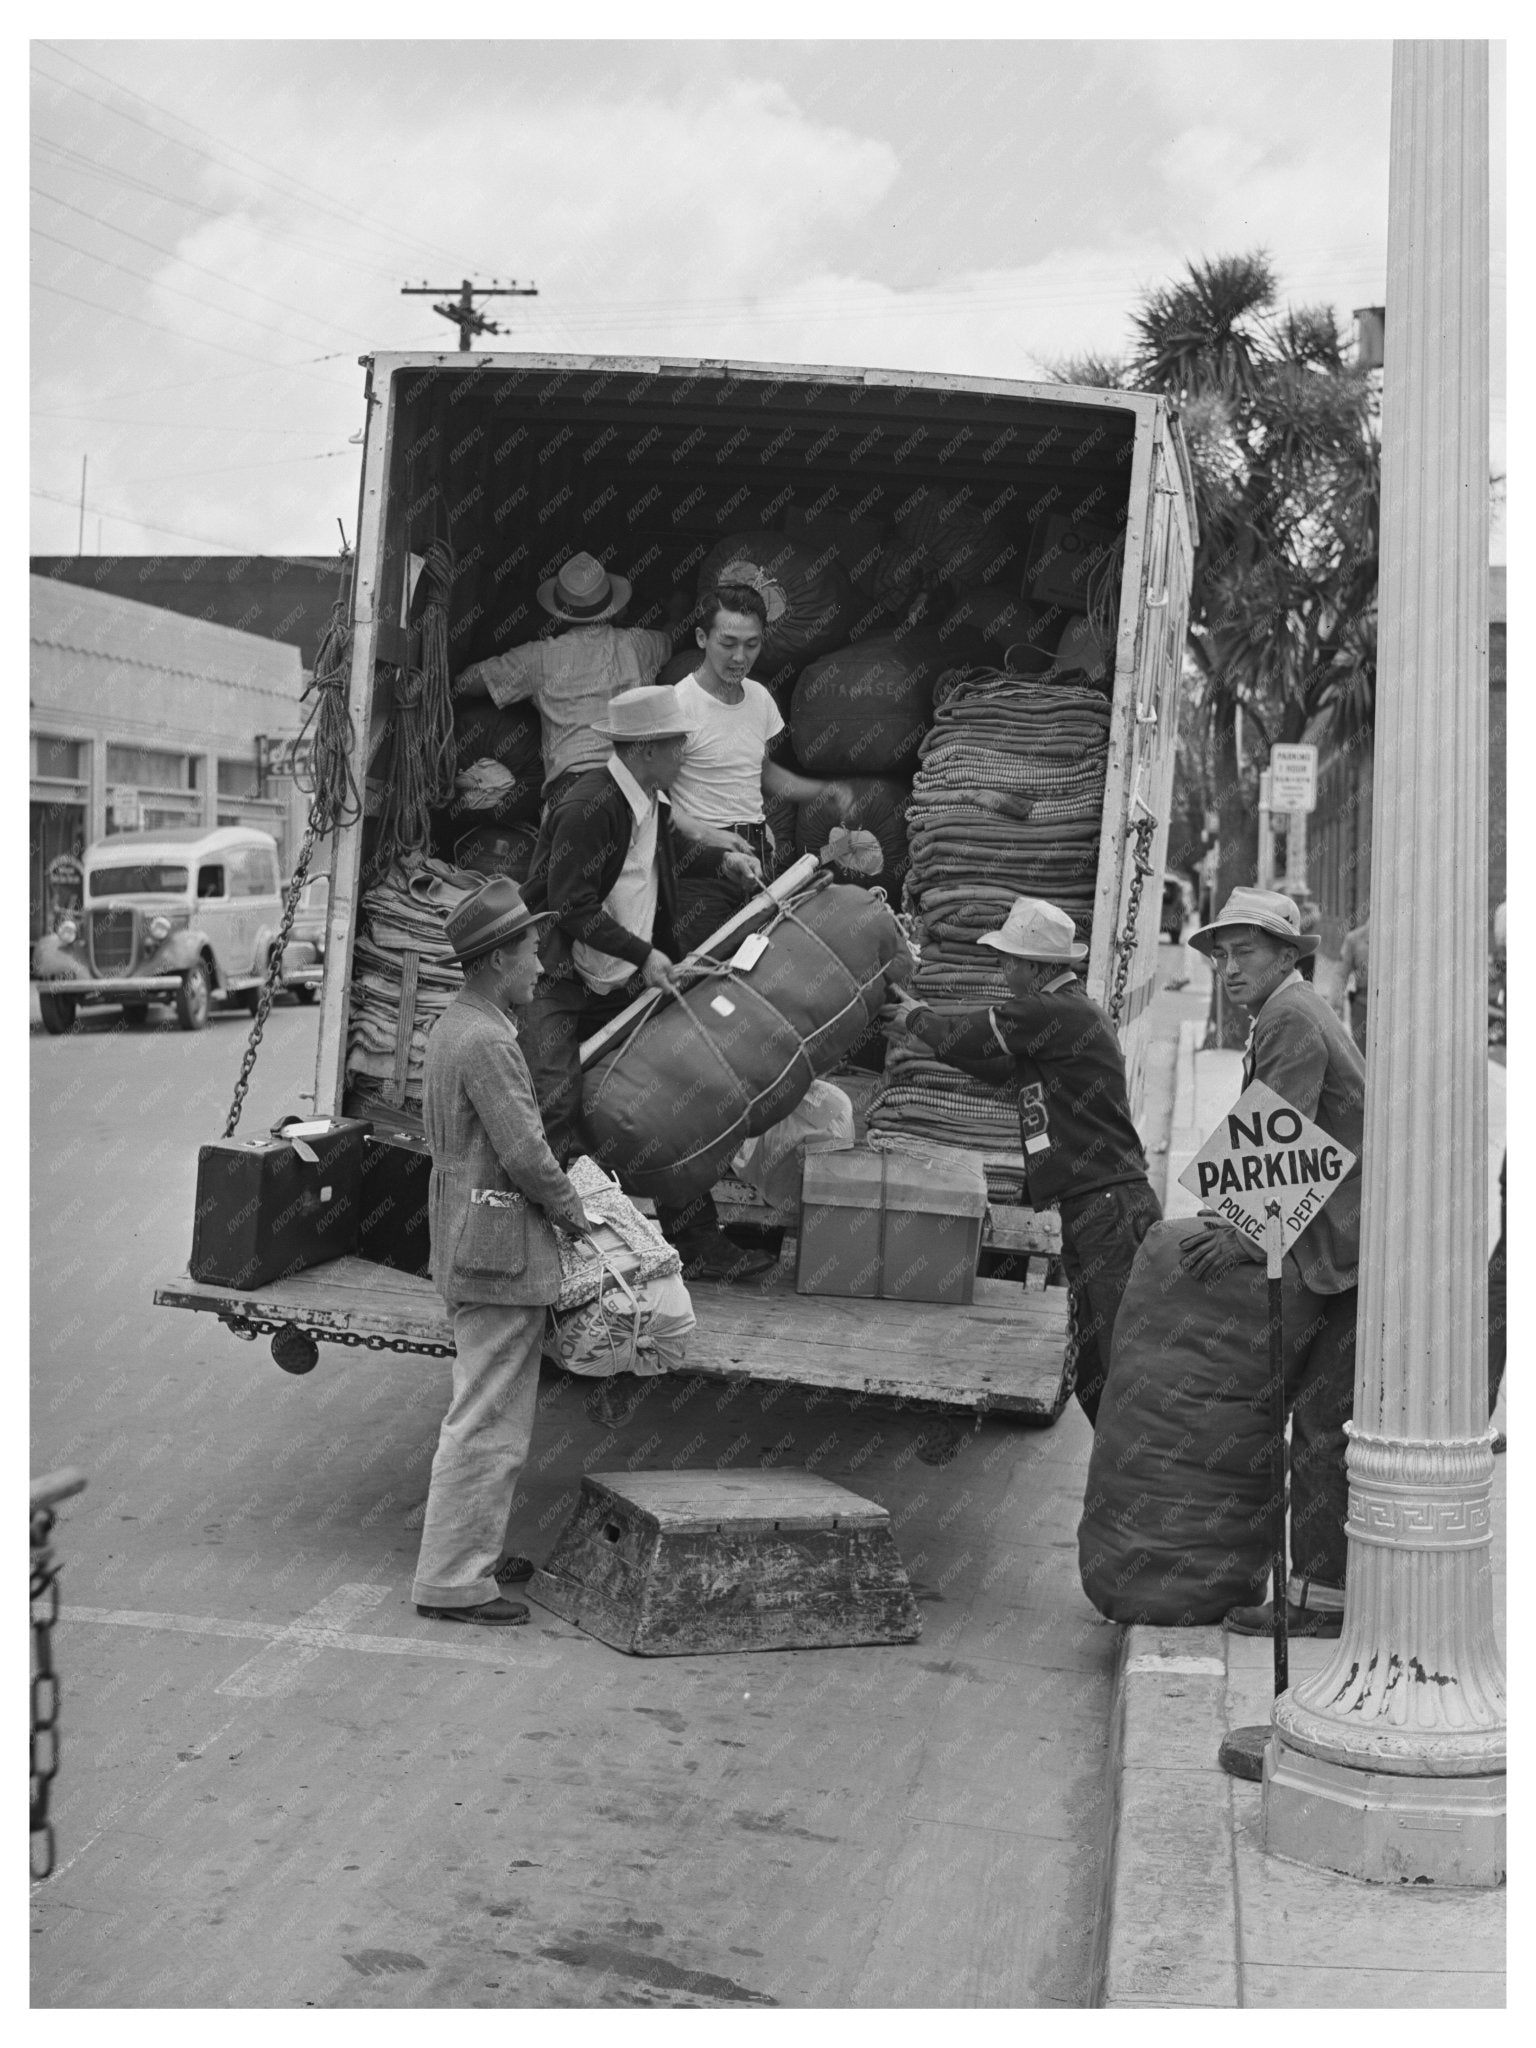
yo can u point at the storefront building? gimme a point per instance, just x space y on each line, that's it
140 719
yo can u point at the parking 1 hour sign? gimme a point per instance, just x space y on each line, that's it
1293 778
1265 1161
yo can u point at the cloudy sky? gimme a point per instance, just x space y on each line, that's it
220 229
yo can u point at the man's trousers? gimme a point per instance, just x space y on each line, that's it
481 1448
1100 1234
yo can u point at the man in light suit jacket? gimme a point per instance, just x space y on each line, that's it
496 1196
1305 1053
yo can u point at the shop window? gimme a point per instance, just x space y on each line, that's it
58 760
150 768
237 778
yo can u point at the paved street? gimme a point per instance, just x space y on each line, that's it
283 1787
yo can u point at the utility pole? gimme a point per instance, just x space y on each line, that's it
80 536
1389 1762
462 310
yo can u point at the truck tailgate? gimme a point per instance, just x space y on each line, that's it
1004 1353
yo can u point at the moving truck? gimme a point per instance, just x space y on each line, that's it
518 460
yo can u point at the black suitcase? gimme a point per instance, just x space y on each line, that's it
396 1179
269 1207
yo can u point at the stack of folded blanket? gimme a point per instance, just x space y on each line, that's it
1008 801
406 910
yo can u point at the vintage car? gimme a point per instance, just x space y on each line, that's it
174 916
304 955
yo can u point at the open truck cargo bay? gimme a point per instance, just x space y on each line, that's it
648 465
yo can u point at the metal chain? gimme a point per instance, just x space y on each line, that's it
252 1327
318 817
45 1689
1125 945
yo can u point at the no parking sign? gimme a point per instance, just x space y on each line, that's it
1266 1162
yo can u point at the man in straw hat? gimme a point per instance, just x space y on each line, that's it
1082 1155
572 677
605 867
497 1195
1298 1047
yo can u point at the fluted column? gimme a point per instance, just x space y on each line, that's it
1390 1763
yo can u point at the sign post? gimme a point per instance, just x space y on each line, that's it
1268 1171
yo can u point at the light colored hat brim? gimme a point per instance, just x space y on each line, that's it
616 603
1306 943
640 739
1075 952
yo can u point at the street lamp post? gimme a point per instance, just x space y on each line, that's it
1390 1763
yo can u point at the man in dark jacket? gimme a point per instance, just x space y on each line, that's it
497 1194
605 866
1302 1050
1082 1155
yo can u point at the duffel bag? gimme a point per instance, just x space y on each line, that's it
866 709
1175 1526
738 1049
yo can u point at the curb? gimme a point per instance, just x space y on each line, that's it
1168 1920
1166 1933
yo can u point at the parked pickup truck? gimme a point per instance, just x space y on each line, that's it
176 916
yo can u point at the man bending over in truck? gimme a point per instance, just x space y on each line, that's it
573 677
1082 1154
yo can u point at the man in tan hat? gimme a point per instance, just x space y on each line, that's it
1298 1047
497 1195
572 677
1082 1154
605 867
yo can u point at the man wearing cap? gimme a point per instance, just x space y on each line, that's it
1082 1154
1298 1047
496 1197
605 867
572 677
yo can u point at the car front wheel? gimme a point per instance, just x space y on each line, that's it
58 1014
192 998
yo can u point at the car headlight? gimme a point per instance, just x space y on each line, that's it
68 931
159 928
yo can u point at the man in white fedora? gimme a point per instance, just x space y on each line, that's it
573 677
1298 1047
1082 1154
605 866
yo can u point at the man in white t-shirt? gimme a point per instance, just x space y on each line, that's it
573 677
718 794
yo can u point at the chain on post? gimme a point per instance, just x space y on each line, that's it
314 830
45 1688
1125 946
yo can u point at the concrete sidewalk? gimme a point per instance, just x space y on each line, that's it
1196 1914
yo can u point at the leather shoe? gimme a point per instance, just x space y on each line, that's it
496 1613
1299 1621
512 1571
717 1258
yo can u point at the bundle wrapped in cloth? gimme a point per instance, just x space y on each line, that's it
1008 801
623 1305
403 913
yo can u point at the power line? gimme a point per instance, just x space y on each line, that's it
149 525
353 217
228 468
117 313
159 284
175 255
345 256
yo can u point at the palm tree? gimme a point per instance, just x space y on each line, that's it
1283 447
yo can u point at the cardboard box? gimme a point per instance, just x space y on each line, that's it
897 1226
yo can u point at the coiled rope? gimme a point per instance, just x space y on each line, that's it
423 767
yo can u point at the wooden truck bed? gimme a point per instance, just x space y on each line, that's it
1004 1354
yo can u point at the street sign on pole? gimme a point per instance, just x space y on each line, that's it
1268 1171
1293 778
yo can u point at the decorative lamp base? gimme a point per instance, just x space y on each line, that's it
1378 1825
